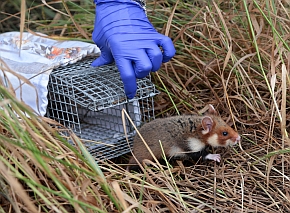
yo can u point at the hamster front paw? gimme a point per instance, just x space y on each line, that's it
214 157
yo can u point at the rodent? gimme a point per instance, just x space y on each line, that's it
185 136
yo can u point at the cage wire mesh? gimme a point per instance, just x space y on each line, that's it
90 100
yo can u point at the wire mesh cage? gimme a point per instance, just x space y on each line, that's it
90 101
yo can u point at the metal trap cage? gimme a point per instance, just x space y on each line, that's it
90 100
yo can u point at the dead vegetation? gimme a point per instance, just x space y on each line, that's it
234 55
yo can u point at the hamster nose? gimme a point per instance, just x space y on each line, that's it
238 139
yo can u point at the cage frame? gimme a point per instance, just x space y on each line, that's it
76 92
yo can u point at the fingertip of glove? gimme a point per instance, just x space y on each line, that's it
166 59
168 49
96 63
130 95
168 55
130 92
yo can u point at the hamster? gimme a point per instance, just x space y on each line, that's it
183 137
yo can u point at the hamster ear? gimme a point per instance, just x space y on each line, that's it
211 110
207 124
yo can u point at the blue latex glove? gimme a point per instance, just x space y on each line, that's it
124 34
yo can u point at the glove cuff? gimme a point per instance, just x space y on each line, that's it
141 3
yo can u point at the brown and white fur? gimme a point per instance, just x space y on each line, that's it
185 136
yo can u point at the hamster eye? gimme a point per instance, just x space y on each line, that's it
225 133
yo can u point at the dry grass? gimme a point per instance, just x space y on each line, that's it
234 55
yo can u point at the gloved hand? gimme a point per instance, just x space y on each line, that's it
124 34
